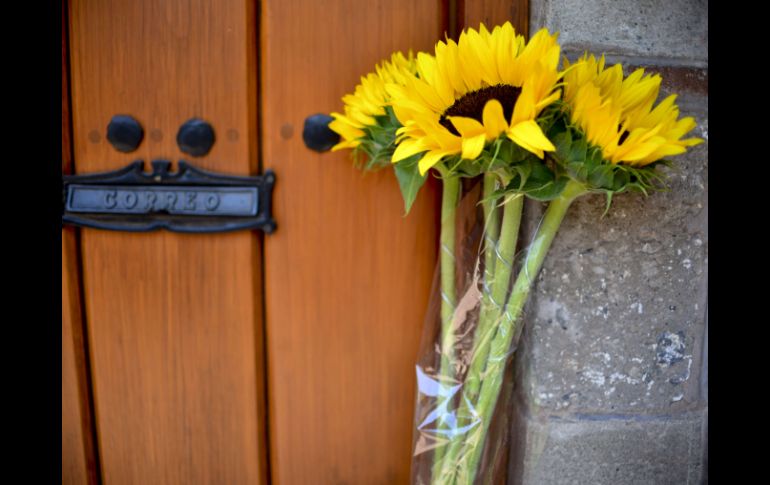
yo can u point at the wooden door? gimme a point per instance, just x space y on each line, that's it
173 321
347 278
238 357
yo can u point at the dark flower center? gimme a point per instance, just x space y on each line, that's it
472 104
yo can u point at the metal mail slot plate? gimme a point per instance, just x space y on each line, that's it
201 201
187 200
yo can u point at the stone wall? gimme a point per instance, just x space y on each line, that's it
612 367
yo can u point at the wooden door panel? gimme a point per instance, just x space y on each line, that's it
78 459
73 459
174 320
347 277
495 12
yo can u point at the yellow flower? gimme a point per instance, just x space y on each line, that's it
617 114
472 91
369 99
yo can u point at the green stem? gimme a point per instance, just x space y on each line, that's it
449 200
491 233
490 314
501 344
503 256
491 229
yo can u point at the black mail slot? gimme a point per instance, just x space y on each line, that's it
189 200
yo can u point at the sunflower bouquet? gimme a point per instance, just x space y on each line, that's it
499 110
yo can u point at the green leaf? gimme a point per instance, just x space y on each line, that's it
622 178
563 142
547 191
392 120
602 176
538 171
504 176
409 179
594 158
609 202
578 151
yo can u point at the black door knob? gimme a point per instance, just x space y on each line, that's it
317 135
195 137
124 133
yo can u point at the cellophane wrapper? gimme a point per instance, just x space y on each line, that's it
444 414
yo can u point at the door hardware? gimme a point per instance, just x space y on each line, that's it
124 133
317 135
188 200
195 137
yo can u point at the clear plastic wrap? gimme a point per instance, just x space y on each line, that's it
464 374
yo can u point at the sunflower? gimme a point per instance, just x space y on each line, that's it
472 91
369 99
617 114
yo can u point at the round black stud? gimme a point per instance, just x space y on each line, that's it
269 227
124 133
195 137
317 135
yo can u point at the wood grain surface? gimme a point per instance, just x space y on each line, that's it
347 276
174 320
496 12
74 468
78 452
78 457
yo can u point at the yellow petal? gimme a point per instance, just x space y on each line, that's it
469 64
345 130
506 52
448 54
468 127
426 67
548 100
362 118
529 136
406 149
472 147
525 107
638 151
494 120
665 150
430 159
345 144
345 119
485 60
445 139
429 95
691 142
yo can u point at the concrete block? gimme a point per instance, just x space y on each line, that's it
611 378
664 450
611 371
616 323
673 30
